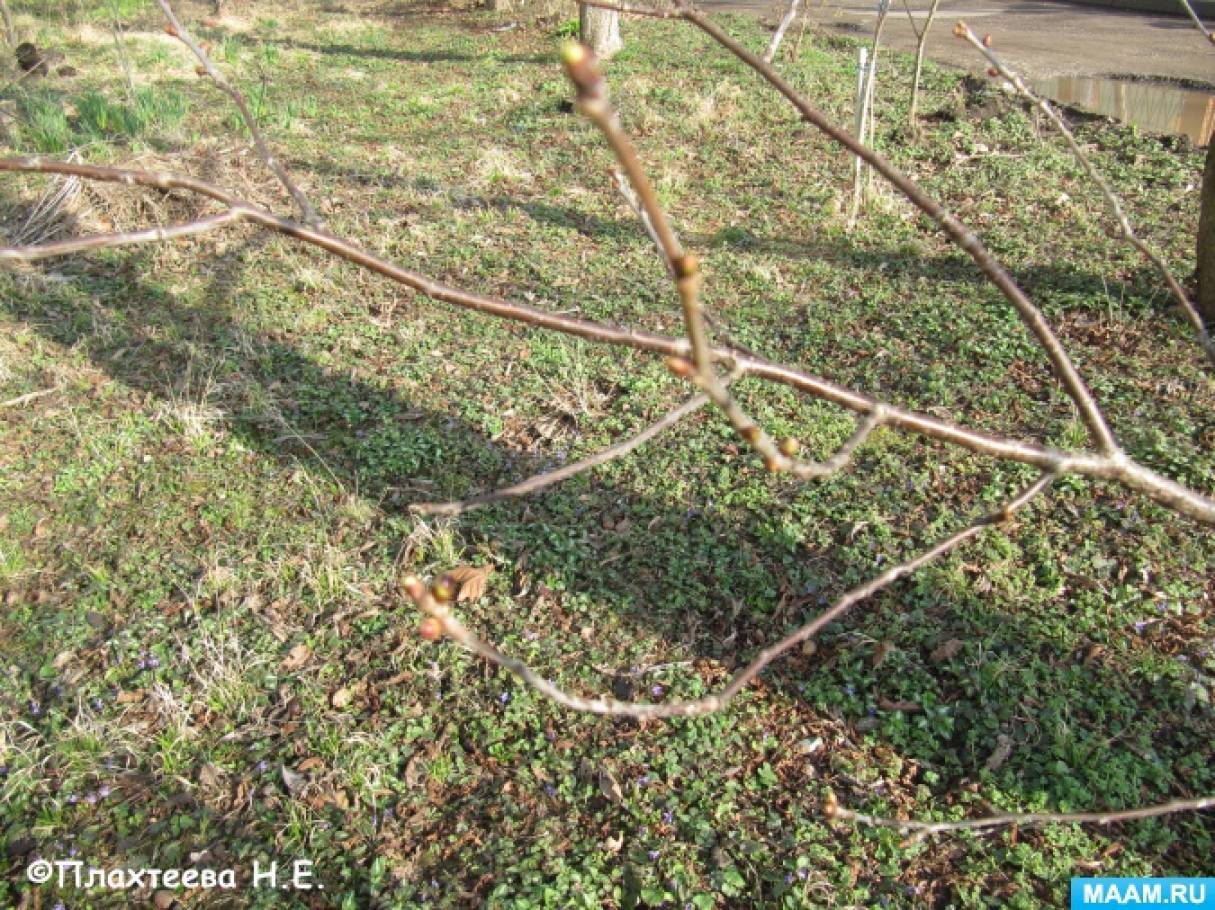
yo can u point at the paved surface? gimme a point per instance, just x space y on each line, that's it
1037 38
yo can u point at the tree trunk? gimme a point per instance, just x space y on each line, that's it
1206 240
599 30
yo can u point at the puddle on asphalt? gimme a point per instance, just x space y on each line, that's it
1152 106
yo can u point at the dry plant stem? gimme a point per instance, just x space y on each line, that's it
458 632
540 481
10 33
953 228
1111 198
28 397
920 829
307 212
921 36
1206 33
1115 467
779 35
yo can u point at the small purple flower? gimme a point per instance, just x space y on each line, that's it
1140 625
59 906
850 690
803 874
656 690
153 662
98 704
104 791
643 781
653 855
788 878
142 665
35 708
504 697
668 817
3 770
262 766
550 735
550 790
72 798
91 799
72 851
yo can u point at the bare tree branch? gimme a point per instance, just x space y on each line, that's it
28 397
444 622
921 829
540 481
921 40
126 238
179 31
1115 467
1115 204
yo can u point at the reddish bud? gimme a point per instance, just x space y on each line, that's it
987 40
959 30
771 463
993 72
430 628
171 30
751 433
443 590
789 446
200 70
679 367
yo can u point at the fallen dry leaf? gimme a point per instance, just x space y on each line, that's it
471 579
946 650
296 657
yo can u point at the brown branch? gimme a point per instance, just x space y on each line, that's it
1115 467
540 481
179 31
1115 204
953 228
123 238
922 829
447 624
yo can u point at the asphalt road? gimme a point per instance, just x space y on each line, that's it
1039 39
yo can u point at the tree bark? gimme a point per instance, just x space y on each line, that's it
599 30
1206 240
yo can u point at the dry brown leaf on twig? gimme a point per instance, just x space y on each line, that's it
471 581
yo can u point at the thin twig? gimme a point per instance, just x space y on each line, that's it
921 36
540 481
28 397
307 212
120 239
922 829
1115 204
1114 466
779 34
450 626
1072 382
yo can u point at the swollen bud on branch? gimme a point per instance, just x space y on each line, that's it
171 30
200 70
987 40
443 590
771 463
583 70
959 29
412 585
789 446
686 265
679 367
993 72
750 433
430 628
